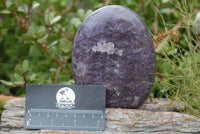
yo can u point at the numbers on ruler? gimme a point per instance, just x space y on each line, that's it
98 123
51 122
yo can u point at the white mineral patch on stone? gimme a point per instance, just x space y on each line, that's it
128 98
136 100
119 52
108 47
116 71
117 64
117 91
82 69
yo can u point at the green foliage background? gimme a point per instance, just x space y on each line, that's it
36 39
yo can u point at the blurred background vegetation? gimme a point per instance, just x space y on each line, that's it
36 39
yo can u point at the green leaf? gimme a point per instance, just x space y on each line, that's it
55 19
31 34
88 12
65 46
35 51
53 70
76 22
32 77
43 39
53 43
41 31
165 10
18 77
11 5
53 37
6 11
48 18
35 4
32 29
27 37
172 51
165 1
81 12
25 66
8 3
19 82
54 51
18 68
23 8
8 83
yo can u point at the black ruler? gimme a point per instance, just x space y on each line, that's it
73 107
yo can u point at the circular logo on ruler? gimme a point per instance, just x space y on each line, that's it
65 98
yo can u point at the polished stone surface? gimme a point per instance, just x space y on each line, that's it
113 47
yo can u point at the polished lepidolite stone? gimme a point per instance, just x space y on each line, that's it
113 47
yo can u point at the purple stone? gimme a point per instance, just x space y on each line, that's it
113 47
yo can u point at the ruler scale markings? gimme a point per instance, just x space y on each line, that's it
97 123
74 116
51 122
67 111
74 123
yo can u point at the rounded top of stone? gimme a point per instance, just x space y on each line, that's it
113 13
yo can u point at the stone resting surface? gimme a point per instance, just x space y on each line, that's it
155 116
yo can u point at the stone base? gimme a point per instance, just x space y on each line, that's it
155 116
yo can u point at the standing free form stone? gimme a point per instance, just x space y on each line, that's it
113 47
